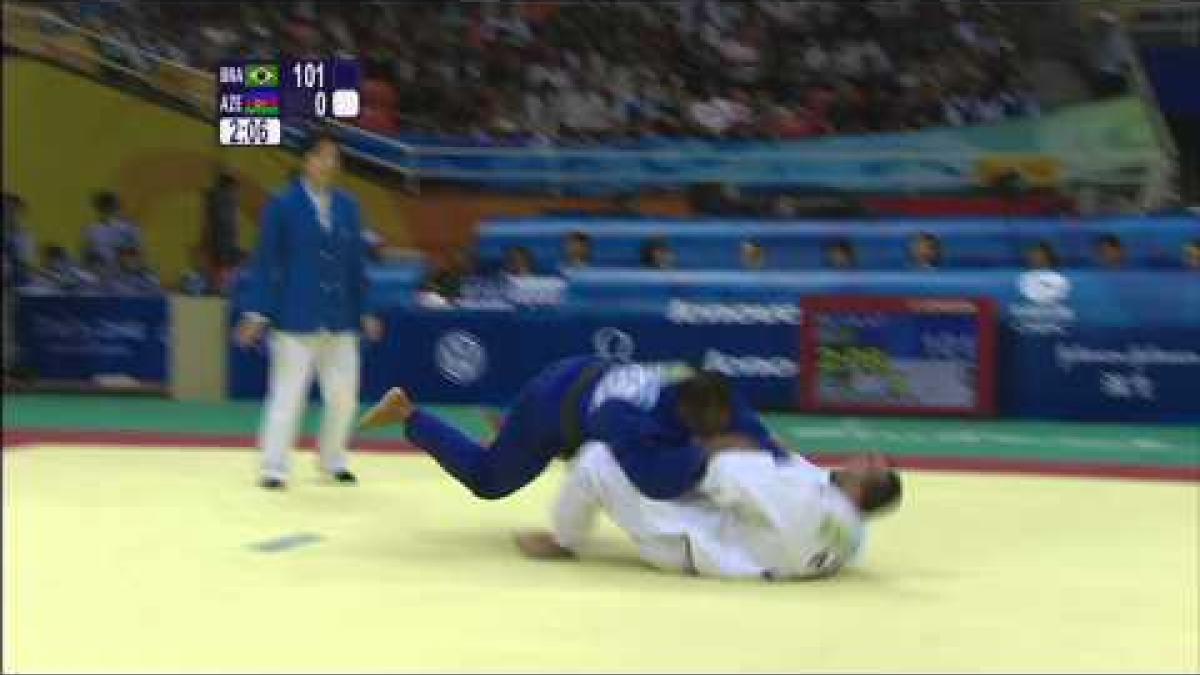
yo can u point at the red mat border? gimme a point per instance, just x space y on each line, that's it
15 438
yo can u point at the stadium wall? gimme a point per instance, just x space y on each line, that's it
76 136
71 136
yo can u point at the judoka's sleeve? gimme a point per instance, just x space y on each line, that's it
659 471
575 510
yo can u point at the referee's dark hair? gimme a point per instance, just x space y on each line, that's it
316 137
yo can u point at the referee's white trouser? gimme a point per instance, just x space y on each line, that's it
294 356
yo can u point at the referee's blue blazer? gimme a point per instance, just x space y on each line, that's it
302 278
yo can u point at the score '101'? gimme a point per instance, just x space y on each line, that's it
311 75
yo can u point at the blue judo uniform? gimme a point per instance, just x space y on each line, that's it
630 407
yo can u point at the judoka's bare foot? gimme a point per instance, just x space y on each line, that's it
394 408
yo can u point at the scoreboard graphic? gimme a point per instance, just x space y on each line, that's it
899 355
256 98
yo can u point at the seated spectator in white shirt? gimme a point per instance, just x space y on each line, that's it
657 254
1191 255
989 107
926 251
58 273
111 231
840 255
753 255
577 250
95 275
740 55
541 111
132 276
518 262
585 111
716 114
19 247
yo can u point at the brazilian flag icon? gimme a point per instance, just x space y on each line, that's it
262 75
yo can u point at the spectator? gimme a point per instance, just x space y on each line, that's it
624 205
1111 55
222 210
132 276
518 262
784 207
19 245
96 275
227 280
1110 252
657 254
626 64
926 251
754 256
730 202
445 286
374 244
1191 255
797 123
1042 256
194 282
111 231
840 255
578 250
18 266
58 273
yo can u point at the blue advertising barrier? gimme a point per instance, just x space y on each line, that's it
482 356
1034 300
1049 366
1102 374
82 337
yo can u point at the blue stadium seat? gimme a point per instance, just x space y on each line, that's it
968 243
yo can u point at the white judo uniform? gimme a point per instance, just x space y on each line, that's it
752 517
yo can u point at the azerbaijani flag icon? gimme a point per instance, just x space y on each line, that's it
261 102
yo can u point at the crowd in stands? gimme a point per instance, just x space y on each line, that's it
451 281
112 255
607 70
111 262
112 251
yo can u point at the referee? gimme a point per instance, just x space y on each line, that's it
308 284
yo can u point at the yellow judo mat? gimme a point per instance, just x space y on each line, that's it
147 560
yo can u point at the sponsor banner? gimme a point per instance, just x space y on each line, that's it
1035 302
1120 375
486 356
101 339
915 355
1078 370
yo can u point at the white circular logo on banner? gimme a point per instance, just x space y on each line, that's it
460 357
1044 287
613 344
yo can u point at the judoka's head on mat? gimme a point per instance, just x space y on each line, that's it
867 478
870 482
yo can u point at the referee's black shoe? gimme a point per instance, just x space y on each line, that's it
271 484
345 477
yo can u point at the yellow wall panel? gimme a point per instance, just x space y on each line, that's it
66 137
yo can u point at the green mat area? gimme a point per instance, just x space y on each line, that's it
1126 444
